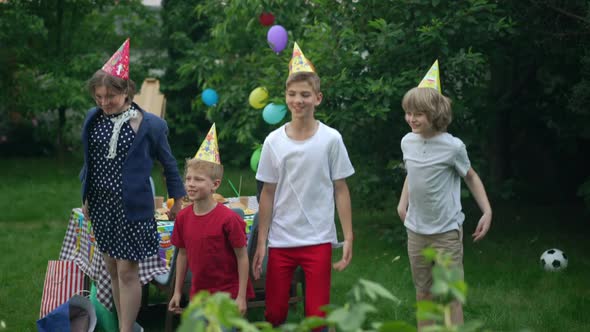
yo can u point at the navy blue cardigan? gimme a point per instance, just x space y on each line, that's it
150 144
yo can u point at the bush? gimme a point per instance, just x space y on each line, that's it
220 310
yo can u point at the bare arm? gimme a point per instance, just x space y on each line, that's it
176 207
402 206
267 197
243 269
181 263
342 197
479 193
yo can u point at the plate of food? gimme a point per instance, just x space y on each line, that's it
219 198
161 214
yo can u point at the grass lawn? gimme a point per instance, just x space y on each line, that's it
508 290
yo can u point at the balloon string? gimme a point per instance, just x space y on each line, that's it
234 188
240 187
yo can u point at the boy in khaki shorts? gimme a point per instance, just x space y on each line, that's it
430 202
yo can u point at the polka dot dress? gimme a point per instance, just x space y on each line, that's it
115 235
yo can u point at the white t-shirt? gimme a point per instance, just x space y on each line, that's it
435 166
304 171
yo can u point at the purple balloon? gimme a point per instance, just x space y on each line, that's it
277 38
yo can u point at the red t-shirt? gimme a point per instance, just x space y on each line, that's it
209 241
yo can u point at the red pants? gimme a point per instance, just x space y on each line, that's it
316 262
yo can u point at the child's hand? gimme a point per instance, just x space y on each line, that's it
257 261
85 210
483 226
346 256
176 207
241 303
174 304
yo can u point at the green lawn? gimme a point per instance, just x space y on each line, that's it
508 290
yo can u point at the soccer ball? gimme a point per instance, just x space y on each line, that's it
553 260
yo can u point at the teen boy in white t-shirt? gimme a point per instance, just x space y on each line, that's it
304 166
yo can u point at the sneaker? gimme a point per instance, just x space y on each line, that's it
137 327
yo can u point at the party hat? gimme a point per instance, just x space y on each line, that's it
432 78
209 150
299 62
118 64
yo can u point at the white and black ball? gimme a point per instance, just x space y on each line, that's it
553 260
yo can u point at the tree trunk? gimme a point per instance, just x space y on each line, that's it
511 75
61 148
62 109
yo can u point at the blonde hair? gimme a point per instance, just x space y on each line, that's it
432 103
212 170
304 76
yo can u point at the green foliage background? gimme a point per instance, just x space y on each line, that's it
368 54
517 71
48 51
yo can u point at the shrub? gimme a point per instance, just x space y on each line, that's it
209 313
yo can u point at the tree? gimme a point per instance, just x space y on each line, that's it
534 114
61 43
182 33
367 53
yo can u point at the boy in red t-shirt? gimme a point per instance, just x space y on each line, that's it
209 236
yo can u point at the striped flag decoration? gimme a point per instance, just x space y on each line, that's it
63 280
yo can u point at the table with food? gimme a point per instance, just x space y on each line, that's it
79 244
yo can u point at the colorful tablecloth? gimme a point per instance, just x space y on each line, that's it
79 246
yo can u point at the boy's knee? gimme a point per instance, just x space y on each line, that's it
276 315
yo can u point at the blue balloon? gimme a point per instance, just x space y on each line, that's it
274 113
210 97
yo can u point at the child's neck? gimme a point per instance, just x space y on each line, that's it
301 129
429 134
202 207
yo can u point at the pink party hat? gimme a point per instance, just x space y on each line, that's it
118 64
209 150
432 78
299 62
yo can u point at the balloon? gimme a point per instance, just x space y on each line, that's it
209 97
274 113
255 159
277 38
258 97
266 19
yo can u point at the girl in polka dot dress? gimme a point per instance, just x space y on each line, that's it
121 142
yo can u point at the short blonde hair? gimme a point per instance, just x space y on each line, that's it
432 103
305 76
212 170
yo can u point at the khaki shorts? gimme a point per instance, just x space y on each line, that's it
450 242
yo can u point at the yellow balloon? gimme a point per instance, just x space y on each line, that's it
258 97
